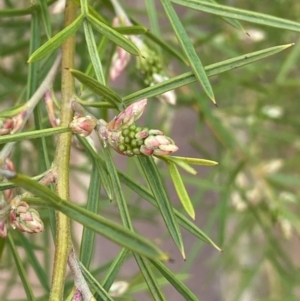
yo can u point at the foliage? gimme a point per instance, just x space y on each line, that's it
175 52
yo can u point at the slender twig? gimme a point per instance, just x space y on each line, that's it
31 104
61 162
80 283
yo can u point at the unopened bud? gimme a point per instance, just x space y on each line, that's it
128 116
3 228
118 288
25 218
158 144
83 125
120 60
6 126
50 109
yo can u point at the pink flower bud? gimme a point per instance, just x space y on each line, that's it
128 116
8 193
50 109
83 125
120 60
159 144
3 228
19 121
6 126
142 134
164 150
25 218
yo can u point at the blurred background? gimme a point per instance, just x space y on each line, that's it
249 203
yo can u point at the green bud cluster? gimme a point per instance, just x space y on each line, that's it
130 145
148 65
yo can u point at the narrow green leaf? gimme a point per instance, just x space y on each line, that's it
56 40
46 18
150 279
93 201
180 163
101 50
240 14
213 69
107 94
230 21
18 12
91 11
163 44
107 228
40 272
94 56
33 84
95 104
177 284
195 161
94 284
153 15
162 281
84 6
145 194
131 30
123 209
180 189
122 205
21 271
105 179
35 41
114 269
114 36
189 49
162 200
33 134
10 112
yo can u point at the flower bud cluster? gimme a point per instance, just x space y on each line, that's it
122 134
25 218
20 216
135 140
149 64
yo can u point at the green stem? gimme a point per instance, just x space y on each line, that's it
61 162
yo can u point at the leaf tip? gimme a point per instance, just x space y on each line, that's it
217 248
183 253
212 98
165 257
192 214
